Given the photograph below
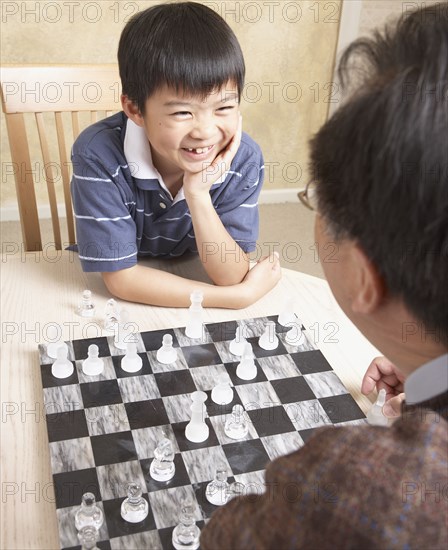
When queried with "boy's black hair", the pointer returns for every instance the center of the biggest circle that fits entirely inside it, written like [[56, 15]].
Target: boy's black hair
[[380, 162], [185, 45]]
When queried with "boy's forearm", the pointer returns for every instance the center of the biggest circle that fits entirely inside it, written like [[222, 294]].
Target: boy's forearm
[[223, 259], [150, 286]]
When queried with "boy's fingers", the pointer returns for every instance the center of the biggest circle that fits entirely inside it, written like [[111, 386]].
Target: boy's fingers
[[392, 408]]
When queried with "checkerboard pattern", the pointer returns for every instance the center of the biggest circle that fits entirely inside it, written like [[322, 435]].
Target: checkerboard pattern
[[103, 430]]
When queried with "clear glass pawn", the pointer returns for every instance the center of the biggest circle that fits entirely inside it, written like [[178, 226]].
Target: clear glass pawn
[[217, 491], [88, 536], [186, 534], [236, 426], [134, 508], [86, 308], [88, 513], [162, 467]]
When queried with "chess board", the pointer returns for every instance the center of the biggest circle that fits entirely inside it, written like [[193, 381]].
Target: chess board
[[103, 430]]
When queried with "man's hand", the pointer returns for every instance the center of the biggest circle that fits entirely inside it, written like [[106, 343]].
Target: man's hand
[[198, 183], [380, 374]]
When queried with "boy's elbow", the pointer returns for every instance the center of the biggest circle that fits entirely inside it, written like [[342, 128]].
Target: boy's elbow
[[117, 282]]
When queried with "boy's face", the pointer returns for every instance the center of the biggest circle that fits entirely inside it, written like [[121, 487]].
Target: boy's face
[[186, 132]]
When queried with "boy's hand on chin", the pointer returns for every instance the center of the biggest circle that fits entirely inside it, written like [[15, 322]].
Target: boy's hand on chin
[[197, 184]]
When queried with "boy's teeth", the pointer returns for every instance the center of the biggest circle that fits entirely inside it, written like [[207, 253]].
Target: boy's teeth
[[199, 151]]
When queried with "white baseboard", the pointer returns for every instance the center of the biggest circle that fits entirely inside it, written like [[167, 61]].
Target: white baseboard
[[267, 196]]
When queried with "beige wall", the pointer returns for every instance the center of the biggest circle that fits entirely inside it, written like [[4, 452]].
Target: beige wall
[[288, 46]]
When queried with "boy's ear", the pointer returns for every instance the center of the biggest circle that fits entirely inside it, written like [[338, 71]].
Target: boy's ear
[[131, 110], [370, 289]]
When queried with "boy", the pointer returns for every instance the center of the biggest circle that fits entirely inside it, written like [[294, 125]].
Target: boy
[[173, 172], [382, 171]]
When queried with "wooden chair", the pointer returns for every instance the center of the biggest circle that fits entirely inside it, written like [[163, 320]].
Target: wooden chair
[[53, 89]]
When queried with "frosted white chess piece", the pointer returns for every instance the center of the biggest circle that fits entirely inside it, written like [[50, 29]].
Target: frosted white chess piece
[[247, 370], [86, 307], [268, 340], [186, 534], [236, 426], [131, 362], [52, 333], [162, 467], [222, 393], [295, 335], [167, 353], [375, 416], [134, 508], [197, 430], [194, 328], [236, 346], [287, 315], [92, 365], [217, 491], [62, 367], [88, 513]]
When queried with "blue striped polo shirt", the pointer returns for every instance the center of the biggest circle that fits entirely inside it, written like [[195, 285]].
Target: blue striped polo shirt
[[123, 208]]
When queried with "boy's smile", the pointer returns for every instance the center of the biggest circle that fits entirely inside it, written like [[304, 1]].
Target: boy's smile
[[185, 132]]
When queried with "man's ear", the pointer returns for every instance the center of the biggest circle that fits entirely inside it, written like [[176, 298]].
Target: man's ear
[[370, 290], [131, 110]]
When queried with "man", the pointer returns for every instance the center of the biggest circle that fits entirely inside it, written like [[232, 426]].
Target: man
[[380, 166]]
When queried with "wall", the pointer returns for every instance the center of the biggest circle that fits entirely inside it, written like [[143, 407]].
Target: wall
[[288, 46]]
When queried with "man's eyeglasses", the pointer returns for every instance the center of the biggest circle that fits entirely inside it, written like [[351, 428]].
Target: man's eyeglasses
[[308, 196]]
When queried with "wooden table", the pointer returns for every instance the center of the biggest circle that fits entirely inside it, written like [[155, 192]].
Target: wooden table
[[38, 289]]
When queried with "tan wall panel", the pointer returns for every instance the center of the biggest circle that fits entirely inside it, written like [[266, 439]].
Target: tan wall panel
[[288, 47]]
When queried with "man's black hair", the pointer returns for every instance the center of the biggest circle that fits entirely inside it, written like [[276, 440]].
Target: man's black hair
[[186, 46], [380, 162]]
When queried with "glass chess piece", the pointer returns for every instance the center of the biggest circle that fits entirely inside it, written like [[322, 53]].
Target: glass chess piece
[[236, 426], [131, 362], [375, 416], [167, 353], [111, 315], [246, 369], [197, 430], [134, 508], [268, 340], [287, 316], [222, 393], [87, 536], [194, 328], [92, 365], [88, 513], [236, 346], [186, 534], [236, 489], [162, 467], [53, 334], [86, 308], [217, 491], [62, 367]]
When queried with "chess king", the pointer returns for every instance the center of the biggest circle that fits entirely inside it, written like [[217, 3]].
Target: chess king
[[380, 167]]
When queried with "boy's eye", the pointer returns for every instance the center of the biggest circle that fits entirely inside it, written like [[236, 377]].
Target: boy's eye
[[181, 113], [227, 108]]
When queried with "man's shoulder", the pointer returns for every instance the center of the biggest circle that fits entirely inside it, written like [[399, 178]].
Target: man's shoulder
[[102, 139]]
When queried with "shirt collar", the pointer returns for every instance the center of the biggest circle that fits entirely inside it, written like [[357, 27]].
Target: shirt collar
[[427, 381], [139, 158]]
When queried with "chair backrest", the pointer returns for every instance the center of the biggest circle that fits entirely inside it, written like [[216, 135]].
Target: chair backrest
[[52, 89]]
